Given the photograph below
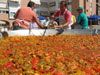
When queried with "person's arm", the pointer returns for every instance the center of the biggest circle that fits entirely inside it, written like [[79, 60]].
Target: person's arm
[[56, 14], [62, 26], [79, 19], [68, 17], [37, 21]]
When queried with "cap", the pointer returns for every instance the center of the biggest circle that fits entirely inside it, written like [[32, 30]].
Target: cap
[[80, 8], [36, 2]]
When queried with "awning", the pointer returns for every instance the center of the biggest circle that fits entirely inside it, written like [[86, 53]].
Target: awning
[[15, 0], [94, 17], [3, 9], [36, 2]]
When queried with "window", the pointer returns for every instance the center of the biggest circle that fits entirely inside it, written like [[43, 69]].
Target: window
[[3, 11], [3, 6], [14, 5], [44, 4], [3, 3], [52, 4]]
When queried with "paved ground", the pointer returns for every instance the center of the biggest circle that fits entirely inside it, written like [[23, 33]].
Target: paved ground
[[91, 27], [95, 26]]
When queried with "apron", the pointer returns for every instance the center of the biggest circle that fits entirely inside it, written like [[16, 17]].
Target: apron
[[63, 21], [26, 24], [33, 26]]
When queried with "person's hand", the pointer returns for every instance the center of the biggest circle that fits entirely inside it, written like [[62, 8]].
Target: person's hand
[[44, 27], [60, 26]]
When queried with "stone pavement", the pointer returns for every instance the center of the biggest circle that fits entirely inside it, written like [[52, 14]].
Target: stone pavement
[[95, 26]]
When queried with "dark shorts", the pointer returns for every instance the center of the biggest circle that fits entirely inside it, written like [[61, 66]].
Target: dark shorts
[[16, 27]]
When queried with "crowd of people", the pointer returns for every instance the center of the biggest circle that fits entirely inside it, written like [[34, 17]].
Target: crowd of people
[[26, 17]]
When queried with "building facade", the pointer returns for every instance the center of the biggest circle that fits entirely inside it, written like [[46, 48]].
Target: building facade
[[89, 6], [72, 5], [98, 7]]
